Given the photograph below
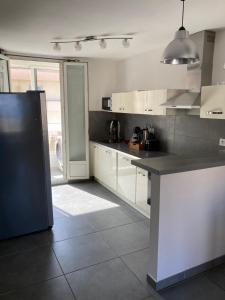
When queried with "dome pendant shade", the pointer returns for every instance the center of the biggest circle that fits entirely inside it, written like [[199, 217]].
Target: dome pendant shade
[[181, 50]]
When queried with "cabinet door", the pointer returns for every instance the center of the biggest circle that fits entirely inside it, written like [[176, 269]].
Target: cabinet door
[[129, 101], [142, 191], [139, 103], [109, 168], [126, 178], [154, 100], [117, 102], [213, 102]]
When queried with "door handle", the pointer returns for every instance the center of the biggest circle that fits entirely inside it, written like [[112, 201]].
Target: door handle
[[219, 112]]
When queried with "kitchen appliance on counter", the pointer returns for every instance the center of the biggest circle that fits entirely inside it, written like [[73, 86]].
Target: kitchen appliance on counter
[[25, 191], [114, 131], [151, 143], [136, 135], [107, 103], [144, 139]]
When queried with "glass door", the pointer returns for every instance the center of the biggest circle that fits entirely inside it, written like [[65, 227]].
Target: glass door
[[76, 104], [38, 75]]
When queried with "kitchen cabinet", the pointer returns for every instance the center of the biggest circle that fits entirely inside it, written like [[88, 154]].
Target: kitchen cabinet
[[213, 102], [108, 161], [95, 160], [123, 102], [140, 102], [142, 191], [114, 170], [104, 165], [126, 181]]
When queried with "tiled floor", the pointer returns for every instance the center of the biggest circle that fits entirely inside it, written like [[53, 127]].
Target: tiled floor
[[98, 249]]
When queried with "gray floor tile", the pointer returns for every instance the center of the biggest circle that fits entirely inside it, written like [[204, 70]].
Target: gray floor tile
[[83, 251], [106, 281], [138, 262], [54, 289], [28, 242], [111, 217], [28, 267], [217, 275], [199, 288], [65, 228], [128, 238]]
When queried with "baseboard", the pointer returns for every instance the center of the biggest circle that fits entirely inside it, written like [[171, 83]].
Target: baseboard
[[172, 280]]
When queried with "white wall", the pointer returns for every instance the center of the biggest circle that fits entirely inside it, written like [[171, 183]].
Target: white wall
[[102, 81], [145, 71], [219, 58]]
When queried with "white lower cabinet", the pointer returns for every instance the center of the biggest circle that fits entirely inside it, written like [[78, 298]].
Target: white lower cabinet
[[114, 170], [142, 191], [126, 181], [108, 160], [104, 165]]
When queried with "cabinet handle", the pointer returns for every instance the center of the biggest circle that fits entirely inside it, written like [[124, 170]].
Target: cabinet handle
[[214, 112], [143, 175], [149, 109]]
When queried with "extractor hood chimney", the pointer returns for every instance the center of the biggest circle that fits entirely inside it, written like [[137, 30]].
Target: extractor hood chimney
[[199, 75]]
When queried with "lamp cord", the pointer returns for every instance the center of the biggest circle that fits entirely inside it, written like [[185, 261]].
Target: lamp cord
[[182, 20]]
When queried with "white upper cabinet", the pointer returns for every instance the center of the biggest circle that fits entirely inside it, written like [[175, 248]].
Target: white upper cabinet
[[123, 102], [140, 102], [213, 102]]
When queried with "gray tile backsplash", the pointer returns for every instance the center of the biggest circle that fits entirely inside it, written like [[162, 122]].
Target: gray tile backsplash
[[178, 134]]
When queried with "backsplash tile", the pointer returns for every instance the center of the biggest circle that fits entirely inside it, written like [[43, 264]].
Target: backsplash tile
[[178, 134]]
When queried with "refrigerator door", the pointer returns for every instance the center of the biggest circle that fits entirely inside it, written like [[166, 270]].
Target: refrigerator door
[[25, 191]]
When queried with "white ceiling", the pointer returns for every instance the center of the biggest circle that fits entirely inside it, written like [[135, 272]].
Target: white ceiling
[[28, 26]]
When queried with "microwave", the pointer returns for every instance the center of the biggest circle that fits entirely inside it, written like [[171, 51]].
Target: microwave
[[107, 103]]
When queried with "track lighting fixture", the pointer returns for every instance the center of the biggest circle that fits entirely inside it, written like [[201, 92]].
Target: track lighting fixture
[[78, 46], [126, 43], [56, 46], [102, 41]]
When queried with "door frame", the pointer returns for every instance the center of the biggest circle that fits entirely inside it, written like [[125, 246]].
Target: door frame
[[62, 103], [85, 65]]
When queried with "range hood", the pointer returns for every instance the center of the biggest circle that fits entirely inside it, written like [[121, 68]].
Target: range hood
[[184, 99], [198, 75]]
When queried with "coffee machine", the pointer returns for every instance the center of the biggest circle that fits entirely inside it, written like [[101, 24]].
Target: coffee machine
[[114, 131]]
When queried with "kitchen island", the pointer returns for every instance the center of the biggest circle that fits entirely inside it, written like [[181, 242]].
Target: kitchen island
[[187, 225]]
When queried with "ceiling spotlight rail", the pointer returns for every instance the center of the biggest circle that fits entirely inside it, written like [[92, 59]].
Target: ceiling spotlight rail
[[102, 41]]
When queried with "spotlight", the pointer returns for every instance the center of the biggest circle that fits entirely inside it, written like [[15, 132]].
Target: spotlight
[[78, 46], [126, 43], [102, 43], [56, 47]]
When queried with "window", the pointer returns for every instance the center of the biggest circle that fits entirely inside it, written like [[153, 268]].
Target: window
[[37, 75]]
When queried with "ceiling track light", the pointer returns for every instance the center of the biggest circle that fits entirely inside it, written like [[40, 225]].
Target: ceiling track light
[[126, 43], [78, 46], [102, 41], [56, 46], [182, 50]]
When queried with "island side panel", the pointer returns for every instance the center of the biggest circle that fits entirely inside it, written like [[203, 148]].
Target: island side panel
[[191, 220], [154, 227]]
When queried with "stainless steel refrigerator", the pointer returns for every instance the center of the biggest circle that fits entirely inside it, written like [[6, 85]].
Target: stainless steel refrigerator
[[25, 183]]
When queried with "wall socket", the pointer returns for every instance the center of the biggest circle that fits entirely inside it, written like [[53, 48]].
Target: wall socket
[[222, 142]]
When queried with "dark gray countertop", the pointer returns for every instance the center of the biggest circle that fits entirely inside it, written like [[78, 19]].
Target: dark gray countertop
[[124, 148], [179, 163]]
